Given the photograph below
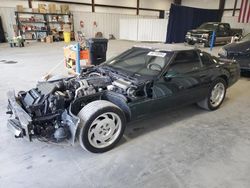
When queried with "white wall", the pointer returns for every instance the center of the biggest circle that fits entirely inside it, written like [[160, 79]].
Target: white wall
[[139, 29], [206, 4], [8, 20], [153, 4], [106, 23], [156, 4], [107, 18]]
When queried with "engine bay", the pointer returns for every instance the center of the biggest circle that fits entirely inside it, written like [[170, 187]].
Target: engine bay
[[47, 102]]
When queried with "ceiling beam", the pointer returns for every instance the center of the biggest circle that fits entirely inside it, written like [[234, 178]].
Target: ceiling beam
[[177, 2], [101, 5]]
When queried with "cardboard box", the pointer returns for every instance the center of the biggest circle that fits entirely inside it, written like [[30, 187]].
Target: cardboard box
[[52, 8], [43, 39], [49, 39], [42, 11], [64, 9], [42, 8], [19, 8], [35, 10], [66, 28]]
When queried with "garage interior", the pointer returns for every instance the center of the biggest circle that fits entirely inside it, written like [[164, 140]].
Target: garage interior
[[184, 147]]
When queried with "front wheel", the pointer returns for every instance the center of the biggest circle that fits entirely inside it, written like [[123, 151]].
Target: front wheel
[[216, 95], [102, 126]]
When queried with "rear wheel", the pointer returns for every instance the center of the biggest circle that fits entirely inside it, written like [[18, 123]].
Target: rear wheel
[[215, 95], [102, 126]]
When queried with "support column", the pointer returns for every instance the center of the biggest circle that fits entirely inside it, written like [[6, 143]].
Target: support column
[[30, 3], [235, 6], [137, 7], [93, 5], [221, 8]]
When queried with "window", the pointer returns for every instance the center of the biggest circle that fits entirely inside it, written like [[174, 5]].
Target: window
[[221, 27], [186, 61], [205, 59], [137, 61], [227, 27]]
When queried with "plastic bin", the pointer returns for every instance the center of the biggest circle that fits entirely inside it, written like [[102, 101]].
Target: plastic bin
[[97, 50], [66, 36]]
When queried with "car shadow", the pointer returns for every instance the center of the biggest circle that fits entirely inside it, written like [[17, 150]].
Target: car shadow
[[159, 120], [245, 75]]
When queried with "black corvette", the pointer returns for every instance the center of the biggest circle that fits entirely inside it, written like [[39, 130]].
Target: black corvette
[[95, 106], [239, 51]]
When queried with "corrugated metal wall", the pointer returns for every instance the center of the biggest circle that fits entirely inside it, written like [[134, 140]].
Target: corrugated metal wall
[[129, 29], [152, 30], [106, 23], [143, 29]]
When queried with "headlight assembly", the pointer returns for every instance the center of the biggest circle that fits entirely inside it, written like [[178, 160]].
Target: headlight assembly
[[205, 35]]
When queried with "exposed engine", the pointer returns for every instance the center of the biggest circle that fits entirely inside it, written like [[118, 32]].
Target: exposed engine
[[47, 102]]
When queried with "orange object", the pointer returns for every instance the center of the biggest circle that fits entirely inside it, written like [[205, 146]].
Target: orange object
[[70, 57]]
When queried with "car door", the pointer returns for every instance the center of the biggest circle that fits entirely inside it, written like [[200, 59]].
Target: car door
[[223, 33], [180, 84]]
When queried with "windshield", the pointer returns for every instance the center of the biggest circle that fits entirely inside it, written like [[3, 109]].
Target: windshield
[[140, 61], [246, 38], [208, 26]]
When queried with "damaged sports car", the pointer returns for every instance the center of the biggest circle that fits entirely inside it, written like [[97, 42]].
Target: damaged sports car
[[95, 106]]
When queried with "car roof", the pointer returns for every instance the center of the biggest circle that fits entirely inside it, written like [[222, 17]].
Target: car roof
[[165, 47]]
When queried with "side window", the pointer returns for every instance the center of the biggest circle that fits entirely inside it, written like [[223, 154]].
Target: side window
[[184, 62], [227, 27], [205, 59], [221, 27]]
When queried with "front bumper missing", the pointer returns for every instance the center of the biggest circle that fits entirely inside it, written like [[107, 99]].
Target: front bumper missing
[[19, 125], [15, 127]]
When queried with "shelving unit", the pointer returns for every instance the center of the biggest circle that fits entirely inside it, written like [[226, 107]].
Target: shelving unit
[[42, 22]]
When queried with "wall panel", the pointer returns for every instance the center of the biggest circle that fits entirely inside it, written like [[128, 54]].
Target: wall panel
[[152, 30], [107, 23], [140, 29], [8, 19]]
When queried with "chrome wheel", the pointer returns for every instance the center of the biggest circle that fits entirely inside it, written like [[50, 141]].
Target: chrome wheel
[[217, 94], [104, 130]]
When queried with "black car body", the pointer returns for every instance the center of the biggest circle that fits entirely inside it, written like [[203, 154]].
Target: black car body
[[240, 51], [134, 84], [203, 34]]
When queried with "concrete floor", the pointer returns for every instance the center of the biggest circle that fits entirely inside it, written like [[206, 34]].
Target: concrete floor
[[189, 147]]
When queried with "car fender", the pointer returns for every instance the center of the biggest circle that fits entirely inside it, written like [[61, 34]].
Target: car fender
[[119, 100]]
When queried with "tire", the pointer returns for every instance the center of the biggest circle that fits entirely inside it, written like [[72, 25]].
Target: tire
[[102, 125], [209, 103]]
